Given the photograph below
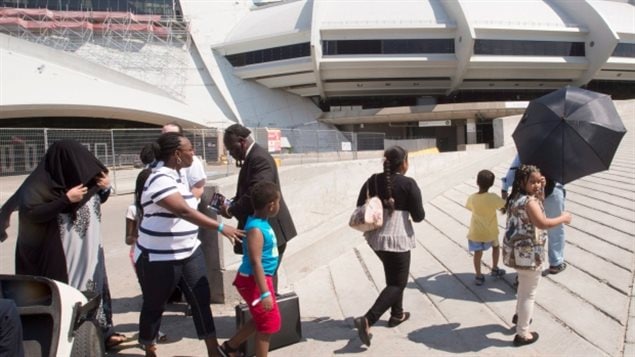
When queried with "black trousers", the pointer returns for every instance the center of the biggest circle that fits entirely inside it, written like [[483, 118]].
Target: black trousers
[[158, 279], [396, 270]]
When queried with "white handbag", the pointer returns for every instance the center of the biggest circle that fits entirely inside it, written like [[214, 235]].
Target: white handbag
[[370, 215]]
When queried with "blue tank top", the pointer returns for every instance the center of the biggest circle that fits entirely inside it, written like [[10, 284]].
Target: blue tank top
[[269, 248]]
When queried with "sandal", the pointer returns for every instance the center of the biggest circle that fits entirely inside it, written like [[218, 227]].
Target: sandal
[[151, 350], [520, 341], [498, 272], [555, 269], [114, 340], [361, 324], [479, 280], [395, 321], [225, 350]]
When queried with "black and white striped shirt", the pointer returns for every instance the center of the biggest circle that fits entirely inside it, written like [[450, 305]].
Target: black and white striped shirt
[[162, 234]]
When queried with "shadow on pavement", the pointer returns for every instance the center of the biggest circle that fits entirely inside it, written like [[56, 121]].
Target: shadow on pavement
[[330, 330], [445, 285], [450, 338]]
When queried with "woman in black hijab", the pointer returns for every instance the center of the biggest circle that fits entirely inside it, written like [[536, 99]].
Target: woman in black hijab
[[59, 224]]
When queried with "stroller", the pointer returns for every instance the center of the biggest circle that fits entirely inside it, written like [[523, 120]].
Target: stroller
[[57, 319]]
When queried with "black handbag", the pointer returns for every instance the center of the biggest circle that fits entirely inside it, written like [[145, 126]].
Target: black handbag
[[290, 332]]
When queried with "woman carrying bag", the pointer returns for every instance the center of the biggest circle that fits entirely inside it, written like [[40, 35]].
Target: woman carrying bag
[[392, 242]]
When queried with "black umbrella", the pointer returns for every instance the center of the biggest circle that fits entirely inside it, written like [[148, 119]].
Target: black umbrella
[[569, 133]]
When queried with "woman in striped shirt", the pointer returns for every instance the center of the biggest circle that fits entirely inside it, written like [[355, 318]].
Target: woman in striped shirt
[[167, 251]]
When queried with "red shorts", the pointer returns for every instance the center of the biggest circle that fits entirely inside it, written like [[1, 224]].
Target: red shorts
[[268, 322]]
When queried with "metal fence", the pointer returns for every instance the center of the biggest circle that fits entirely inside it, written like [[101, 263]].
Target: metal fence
[[22, 149]]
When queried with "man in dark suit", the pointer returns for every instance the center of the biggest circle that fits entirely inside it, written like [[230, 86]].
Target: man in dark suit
[[256, 165]]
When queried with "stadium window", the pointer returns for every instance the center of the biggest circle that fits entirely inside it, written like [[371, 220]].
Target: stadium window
[[329, 47], [528, 48], [624, 50], [357, 47], [237, 60], [397, 46], [269, 54], [375, 47]]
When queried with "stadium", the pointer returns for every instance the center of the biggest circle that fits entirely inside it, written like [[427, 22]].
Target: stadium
[[439, 69]]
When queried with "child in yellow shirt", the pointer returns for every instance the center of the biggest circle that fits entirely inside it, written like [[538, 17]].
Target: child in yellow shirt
[[483, 231]]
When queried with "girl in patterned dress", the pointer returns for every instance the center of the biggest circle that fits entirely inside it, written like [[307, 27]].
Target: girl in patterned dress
[[523, 245]]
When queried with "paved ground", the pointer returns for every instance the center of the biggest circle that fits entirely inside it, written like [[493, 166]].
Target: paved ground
[[582, 311], [589, 309]]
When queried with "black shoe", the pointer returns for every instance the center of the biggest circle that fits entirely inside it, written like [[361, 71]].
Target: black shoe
[[555, 269], [519, 341], [361, 324], [395, 321], [515, 319]]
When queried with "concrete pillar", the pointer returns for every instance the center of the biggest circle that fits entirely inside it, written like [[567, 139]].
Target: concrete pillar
[[460, 134], [212, 249], [503, 129], [470, 129]]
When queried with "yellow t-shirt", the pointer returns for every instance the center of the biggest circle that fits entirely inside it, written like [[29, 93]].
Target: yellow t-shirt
[[484, 223]]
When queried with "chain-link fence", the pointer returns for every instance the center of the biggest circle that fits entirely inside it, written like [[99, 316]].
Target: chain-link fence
[[22, 149]]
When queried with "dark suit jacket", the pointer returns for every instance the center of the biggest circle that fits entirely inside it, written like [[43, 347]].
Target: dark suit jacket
[[259, 166]]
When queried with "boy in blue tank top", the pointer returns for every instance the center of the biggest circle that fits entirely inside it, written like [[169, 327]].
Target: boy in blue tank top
[[254, 280]]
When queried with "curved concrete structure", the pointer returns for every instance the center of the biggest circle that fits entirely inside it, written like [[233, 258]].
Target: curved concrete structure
[[595, 28], [284, 63]]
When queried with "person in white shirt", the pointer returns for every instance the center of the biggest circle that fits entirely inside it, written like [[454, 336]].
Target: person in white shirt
[[195, 174]]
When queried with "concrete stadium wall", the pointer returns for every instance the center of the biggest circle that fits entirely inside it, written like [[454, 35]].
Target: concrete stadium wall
[[321, 196], [503, 130]]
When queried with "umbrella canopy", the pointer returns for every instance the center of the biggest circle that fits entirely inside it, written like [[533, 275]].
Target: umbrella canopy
[[569, 133]]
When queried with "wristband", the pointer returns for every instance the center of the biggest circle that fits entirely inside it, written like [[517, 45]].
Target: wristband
[[264, 295], [220, 227]]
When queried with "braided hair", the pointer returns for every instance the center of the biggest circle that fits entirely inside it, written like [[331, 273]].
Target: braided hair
[[394, 158], [520, 178], [166, 145], [138, 190]]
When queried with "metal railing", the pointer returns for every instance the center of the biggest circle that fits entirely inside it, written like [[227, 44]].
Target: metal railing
[[22, 149]]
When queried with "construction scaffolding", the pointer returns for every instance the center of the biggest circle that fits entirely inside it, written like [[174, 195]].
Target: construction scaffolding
[[152, 48]]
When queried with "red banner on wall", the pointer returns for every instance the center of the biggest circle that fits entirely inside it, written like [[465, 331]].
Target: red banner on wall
[[273, 140]]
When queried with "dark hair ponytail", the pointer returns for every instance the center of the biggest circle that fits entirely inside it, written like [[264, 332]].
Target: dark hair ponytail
[[138, 190], [394, 158], [147, 154]]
